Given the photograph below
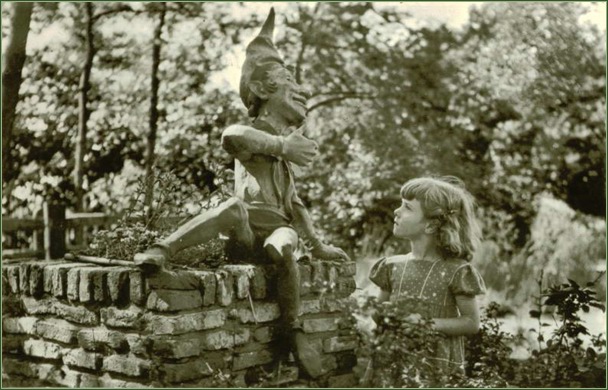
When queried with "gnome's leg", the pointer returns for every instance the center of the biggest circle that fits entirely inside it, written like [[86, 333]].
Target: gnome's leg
[[280, 246], [229, 218]]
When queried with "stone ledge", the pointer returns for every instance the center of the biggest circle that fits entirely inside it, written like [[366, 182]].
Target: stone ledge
[[88, 283], [340, 343], [83, 325]]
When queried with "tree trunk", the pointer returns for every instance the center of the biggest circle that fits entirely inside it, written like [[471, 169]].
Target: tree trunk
[[150, 156], [14, 58], [305, 40], [83, 112]]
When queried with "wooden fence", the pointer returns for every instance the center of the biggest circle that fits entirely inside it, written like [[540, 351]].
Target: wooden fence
[[54, 233]]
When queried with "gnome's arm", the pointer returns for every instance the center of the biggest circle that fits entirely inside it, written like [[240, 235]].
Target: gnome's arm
[[244, 141], [304, 224]]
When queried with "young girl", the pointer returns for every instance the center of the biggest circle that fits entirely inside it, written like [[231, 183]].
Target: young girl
[[437, 217]]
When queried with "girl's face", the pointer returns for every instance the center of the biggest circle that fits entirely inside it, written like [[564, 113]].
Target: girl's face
[[409, 220]]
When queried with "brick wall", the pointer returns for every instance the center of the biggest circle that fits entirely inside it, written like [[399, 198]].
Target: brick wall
[[81, 325]]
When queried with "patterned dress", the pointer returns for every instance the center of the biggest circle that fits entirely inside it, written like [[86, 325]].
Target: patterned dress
[[438, 282]]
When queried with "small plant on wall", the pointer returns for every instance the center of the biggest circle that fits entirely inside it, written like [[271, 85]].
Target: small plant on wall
[[142, 225]]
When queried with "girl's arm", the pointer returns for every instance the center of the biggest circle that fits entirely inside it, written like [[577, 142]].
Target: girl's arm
[[466, 324]]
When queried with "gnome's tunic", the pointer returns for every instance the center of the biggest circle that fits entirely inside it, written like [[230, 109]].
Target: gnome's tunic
[[265, 183]]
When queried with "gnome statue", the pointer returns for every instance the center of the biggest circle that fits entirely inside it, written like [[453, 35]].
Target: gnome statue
[[266, 213]]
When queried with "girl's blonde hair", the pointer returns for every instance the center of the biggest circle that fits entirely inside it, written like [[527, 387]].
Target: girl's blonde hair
[[446, 201]]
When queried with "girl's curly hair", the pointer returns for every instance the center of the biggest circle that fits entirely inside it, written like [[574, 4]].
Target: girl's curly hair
[[446, 201]]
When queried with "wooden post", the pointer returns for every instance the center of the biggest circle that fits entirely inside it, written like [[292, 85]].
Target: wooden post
[[38, 237], [54, 230]]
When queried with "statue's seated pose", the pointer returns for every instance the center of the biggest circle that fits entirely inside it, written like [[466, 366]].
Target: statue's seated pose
[[266, 210]]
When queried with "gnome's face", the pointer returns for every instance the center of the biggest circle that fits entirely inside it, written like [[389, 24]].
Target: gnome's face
[[285, 99]]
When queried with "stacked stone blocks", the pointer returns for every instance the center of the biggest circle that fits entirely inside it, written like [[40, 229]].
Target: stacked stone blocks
[[82, 325]]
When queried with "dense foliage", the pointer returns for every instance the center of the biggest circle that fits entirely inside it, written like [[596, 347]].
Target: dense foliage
[[397, 352]]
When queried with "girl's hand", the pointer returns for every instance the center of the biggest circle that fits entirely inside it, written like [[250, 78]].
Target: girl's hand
[[413, 318]]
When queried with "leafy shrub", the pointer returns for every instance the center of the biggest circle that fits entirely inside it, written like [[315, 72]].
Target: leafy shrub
[[564, 362], [142, 225], [398, 352], [487, 352], [122, 242], [399, 349], [268, 376]]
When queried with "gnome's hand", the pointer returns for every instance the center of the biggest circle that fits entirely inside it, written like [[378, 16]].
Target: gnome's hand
[[299, 149]]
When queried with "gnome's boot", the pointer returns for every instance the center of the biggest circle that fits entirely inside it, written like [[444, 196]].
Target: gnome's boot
[[291, 339], [153, 258], [306, 355]]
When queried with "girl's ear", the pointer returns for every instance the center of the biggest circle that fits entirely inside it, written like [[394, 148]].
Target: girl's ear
[[258, 88]]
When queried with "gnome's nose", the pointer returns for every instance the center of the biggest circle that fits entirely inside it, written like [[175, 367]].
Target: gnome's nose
[[305, 92]]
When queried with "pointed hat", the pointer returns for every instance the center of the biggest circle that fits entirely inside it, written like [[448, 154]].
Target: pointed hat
[[260, 50]]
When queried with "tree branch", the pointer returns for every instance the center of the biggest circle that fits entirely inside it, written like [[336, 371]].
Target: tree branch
[[336, 99], [122, 8], [336, 93]]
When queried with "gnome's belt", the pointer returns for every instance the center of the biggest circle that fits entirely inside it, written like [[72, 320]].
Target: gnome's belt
[[265, 219]]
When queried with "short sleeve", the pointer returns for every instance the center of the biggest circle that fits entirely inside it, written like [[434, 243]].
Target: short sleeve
[[467, 281], [380, 275]]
